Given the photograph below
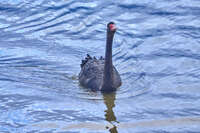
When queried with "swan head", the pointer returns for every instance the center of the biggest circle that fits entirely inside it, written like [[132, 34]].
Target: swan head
[[111, 27]]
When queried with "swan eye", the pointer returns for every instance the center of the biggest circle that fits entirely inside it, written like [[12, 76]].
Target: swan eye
[[112, 27]]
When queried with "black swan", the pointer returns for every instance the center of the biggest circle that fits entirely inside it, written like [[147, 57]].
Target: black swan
[[100, 74]]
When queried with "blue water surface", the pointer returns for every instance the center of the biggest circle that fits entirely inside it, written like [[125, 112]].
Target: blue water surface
[[156, 51]]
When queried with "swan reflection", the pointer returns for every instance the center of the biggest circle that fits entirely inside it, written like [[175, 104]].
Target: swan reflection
[[109, 100]]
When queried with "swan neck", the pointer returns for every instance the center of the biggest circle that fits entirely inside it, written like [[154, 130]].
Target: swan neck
[[108, 53], [108, 68]]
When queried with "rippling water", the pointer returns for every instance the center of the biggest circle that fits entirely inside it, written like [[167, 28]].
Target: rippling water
[[156, 50]]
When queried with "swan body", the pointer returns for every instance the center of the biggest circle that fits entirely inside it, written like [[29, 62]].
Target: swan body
[[100, 74]]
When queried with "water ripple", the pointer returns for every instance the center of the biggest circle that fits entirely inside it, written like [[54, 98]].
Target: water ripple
[[156, 51]]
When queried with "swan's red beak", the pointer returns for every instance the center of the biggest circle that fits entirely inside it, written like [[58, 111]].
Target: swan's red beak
[[112, 27]]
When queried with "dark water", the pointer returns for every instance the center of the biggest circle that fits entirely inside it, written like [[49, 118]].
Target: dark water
[[156, 50]]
